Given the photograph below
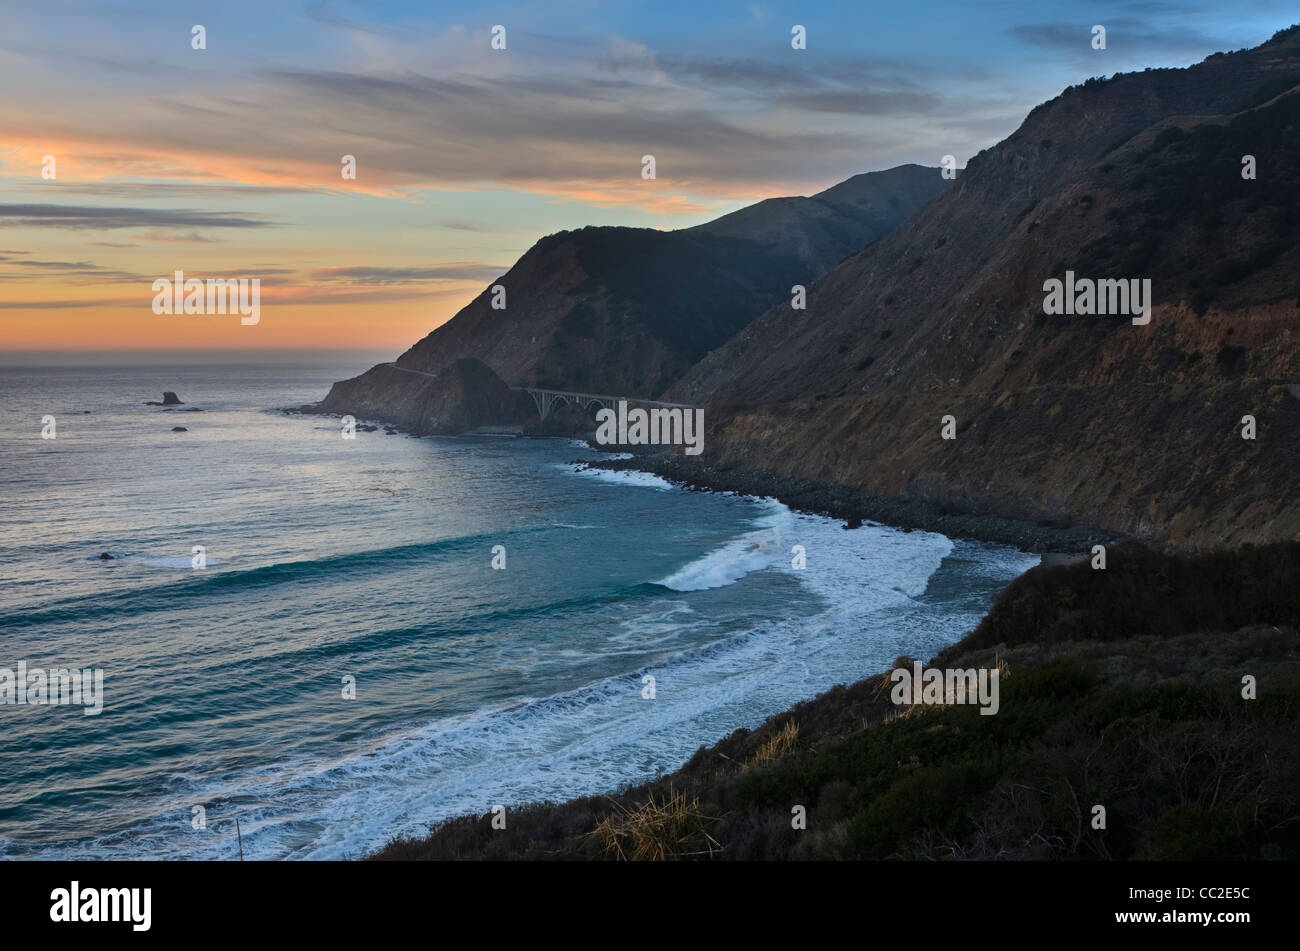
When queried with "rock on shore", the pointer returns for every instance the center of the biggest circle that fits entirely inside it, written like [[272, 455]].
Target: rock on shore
[[450, 400]]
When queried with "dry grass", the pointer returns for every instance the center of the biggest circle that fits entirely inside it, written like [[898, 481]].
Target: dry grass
[[780, 743], [671, 827]]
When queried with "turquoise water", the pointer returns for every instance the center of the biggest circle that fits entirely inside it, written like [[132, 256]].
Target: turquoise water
[[372, 560]]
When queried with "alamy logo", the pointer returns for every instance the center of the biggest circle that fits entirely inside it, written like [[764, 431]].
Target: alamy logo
[[1107, 297], [39, 687], [655, 427], [213, 297], [103, 904], [946, 686]]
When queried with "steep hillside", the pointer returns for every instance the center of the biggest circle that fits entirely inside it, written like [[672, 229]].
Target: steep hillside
[[627, 310], [1092, 420]]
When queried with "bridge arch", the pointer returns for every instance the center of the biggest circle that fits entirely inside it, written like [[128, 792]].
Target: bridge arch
[[546, 401]]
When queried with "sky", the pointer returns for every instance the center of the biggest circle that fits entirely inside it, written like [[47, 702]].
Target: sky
[[225, 162]]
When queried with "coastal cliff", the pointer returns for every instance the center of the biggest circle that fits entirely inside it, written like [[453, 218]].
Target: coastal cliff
[[1086, 420], [629, 310], [450, 399]]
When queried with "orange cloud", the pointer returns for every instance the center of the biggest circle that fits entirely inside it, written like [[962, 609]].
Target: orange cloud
[[99, 160]]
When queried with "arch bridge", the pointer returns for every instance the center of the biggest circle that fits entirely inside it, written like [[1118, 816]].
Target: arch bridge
[[547, 401]]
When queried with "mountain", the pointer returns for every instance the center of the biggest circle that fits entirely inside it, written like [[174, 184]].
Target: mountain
[[826, 228], [629, 310], [1092, 421]]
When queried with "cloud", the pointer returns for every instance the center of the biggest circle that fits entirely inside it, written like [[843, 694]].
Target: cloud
[[420, 102], [324, 14], [574, 137], [87, 273], [376, 275], [259, 271], [84, 217], [838, 86], [170, 191], [1129, 41], [69, 272], [66, 304], [735, 129], [307, 296], [282, 295]]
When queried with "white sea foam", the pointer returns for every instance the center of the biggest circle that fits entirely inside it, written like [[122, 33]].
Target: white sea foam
[[620, 477], [765, 547], [873, 562]]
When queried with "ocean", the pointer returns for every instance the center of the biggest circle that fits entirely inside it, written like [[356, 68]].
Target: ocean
[[348, 665]]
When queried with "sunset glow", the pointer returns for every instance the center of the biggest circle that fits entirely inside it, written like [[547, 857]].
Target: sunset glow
[[111, 177]]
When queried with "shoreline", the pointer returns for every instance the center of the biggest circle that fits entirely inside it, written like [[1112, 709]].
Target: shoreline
[[1054, 544], [1057, 543], [715, 784], [1053, 550]]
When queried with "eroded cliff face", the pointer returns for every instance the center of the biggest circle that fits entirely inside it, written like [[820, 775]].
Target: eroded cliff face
[[1090, 420]]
